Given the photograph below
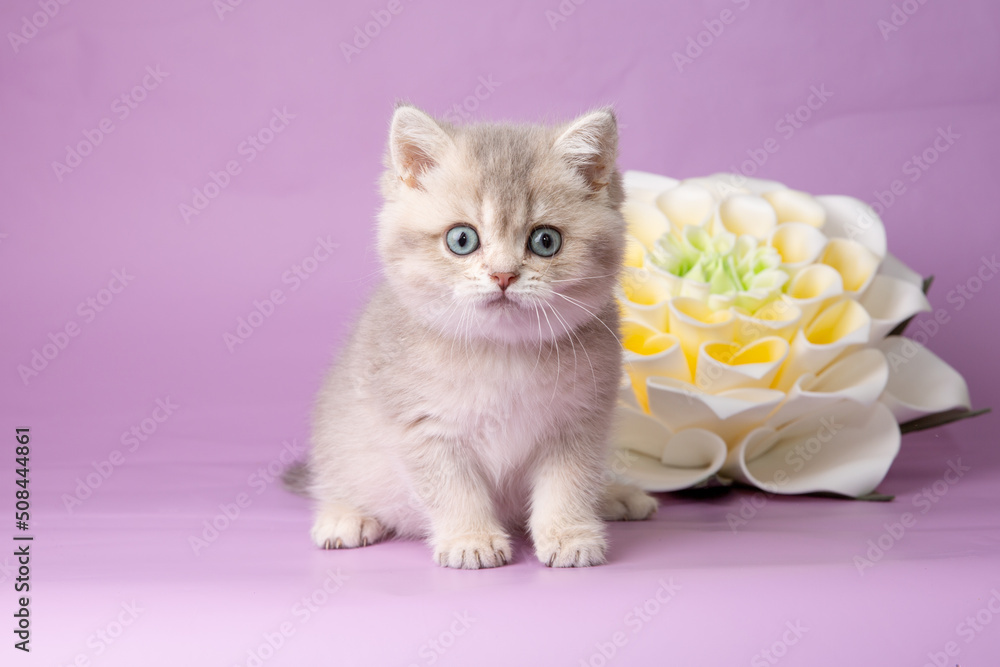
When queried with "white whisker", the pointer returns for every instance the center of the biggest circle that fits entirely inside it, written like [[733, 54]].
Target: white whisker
[[555, 344], [589, 312], [583, 347], [541, 341], [573, 280], [565, 327]]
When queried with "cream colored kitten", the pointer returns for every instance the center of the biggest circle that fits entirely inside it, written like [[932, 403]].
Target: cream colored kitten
[[476, 394]]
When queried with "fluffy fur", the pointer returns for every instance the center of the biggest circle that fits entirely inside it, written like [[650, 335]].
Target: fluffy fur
[[460, 410]]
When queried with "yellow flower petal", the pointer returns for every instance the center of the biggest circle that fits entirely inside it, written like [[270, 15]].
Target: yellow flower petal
[[694, 323], [855, 263], [725, 366], [778, 318], [796, 206], [650, 353], [644, 297], [799, 245], [635, 252], [839, 327], [813, 288]]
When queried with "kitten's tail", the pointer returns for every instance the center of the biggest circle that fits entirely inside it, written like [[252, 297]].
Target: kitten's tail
[[298, 478]]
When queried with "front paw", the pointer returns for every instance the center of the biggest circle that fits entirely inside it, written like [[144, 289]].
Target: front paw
[[472, 551], [575, 546], [340, 527]]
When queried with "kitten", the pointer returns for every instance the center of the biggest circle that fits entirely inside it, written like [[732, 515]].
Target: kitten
[[476, 393]]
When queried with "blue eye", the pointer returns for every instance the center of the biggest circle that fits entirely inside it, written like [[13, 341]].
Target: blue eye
[[462, 239], [545, 241]]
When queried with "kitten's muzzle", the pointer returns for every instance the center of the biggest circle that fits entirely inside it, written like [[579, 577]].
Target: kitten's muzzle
[[504, 280]]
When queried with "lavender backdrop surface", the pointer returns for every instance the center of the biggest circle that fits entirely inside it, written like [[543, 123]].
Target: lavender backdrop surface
[[171, 168]]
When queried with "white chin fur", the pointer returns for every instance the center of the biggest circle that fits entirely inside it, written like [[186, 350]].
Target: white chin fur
[[513, 320]]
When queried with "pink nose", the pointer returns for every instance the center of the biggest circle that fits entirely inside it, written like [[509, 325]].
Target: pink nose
[[504, 279]]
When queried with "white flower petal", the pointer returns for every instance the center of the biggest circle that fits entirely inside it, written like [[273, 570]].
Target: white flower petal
[[649, 456], [890, 301], [638, 432], [749, 215], [729, 183], [893, 267], [645, 296], [814, 288], [680, 405], [645, 222], [850, 218], [626, 392], [859, 377], [720, 185], [796, 206], [687, 204], [643, 186], [695, 448], [720, 301], [839, 327], [847, 451], [799, 245], [920, 382]]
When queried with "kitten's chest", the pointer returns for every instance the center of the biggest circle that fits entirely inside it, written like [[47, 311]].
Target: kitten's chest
[[507, 401]]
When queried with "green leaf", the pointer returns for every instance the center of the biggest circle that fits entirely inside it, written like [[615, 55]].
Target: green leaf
[[876, 497], [713, 487], [873, 497], [940, 419], [716, 487]]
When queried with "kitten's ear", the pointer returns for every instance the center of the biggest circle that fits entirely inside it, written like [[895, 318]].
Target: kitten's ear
[[590, 145], [416, 144]]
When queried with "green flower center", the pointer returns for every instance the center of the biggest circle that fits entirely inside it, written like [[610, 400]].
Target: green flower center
[[730, 265]]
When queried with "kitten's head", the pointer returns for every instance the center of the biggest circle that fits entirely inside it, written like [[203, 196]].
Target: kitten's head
[[508, 232]]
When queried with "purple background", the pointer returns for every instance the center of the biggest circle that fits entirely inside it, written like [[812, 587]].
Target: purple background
[[63, 235]]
